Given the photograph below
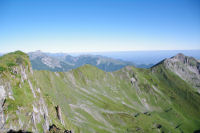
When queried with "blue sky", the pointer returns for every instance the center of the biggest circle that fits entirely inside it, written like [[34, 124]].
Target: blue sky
[[99, 25]]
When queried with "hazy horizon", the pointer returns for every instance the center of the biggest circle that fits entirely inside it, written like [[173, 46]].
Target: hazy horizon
[[136, 57], [96, 52]]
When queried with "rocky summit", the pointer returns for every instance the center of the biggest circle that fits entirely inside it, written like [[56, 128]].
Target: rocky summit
[[188, 68], [164, 98]]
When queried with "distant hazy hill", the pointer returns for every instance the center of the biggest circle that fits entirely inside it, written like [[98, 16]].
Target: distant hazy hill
[[65, 62], [147, 58]]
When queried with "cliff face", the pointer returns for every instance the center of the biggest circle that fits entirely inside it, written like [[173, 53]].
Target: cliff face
[[186, 67], [22, 104]]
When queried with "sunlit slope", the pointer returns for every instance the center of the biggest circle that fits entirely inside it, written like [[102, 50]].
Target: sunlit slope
[[161, 99], [128, 100], [22, 104]]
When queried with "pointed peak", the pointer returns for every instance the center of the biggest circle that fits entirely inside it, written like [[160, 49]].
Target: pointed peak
[[183, 58], [179, 56]]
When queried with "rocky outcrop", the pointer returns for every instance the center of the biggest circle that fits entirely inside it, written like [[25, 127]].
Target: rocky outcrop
[[54, 129], [185, 67], [59, 114], [2, 100], [158, 126], [23, 106]]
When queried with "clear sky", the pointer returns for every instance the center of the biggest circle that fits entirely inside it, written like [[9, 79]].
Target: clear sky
[[99, 25]]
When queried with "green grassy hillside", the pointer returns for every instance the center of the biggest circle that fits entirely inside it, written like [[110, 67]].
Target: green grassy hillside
[[22, 105], [94, 101], [98, 101]]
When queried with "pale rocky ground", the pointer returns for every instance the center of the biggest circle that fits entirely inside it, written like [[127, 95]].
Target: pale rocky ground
[[188, 68]]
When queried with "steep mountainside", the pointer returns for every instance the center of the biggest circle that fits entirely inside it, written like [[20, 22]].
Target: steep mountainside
[[188, 68], [64, 62], [88, 99], [22, 105]]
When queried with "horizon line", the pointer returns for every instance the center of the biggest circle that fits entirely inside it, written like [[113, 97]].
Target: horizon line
[[101, 51]]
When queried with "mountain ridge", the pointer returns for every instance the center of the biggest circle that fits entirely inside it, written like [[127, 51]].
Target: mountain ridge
[[45, 61], [92, 100], [184, 66]]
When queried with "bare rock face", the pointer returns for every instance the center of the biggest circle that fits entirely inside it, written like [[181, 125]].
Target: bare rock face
[[2, 100], [23, 107], [185, 67], [26, 118], [59, 114]]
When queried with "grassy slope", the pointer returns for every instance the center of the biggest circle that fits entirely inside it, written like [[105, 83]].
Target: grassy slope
[[19, 108], [23, 96], [98, 101], [13, 59]]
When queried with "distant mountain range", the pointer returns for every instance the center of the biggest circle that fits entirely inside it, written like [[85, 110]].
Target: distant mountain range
[[65, 62], [107, 61], [112, 60]]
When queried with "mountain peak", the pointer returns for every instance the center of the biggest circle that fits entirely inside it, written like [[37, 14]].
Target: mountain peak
[[186, 67], [13, 59], [179, 56], [187, 60]]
